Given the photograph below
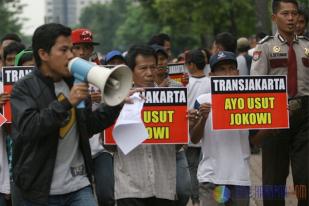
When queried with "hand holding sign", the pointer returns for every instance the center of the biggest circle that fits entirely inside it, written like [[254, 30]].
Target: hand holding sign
[[10, 75], [4, 97], [204, 110]]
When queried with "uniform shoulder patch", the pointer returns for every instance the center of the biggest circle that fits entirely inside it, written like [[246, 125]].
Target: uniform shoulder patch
[[256, 55], [265, 39], [303, 38]]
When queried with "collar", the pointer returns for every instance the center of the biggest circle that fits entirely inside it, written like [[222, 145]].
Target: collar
[[283, 40]]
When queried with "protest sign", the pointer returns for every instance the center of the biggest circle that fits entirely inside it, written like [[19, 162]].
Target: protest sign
[[164, 115], [10, 75], [176, 72], [249, 102]]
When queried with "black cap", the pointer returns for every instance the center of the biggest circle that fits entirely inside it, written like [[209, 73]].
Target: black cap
[[220, 57]]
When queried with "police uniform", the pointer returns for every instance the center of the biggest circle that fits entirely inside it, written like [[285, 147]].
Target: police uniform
[[271, 58]]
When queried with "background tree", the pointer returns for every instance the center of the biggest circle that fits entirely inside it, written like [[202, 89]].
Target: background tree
[[191, 24], [9, 20], [104, 20], [262, 12]]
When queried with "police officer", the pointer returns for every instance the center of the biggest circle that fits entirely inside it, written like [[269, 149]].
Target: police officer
[[285, 54]]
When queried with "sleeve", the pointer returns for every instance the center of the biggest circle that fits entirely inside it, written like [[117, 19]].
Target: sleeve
[[260, 63], [32, 123], [103, 117]]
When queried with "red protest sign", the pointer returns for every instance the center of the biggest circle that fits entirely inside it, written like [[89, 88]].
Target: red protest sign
[[176, 72], [249, 102], [10, 75], [164, 115], [2, 119]]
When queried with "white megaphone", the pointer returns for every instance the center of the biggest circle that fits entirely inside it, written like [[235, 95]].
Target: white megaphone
[[114, 83]]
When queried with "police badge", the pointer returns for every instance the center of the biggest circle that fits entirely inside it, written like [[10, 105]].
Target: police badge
[[276, 49]]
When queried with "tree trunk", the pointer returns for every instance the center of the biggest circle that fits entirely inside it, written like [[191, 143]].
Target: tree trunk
[[262, 16]]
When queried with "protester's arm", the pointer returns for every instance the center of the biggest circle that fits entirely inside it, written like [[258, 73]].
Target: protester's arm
[[104, 116], [197, 131], [4, 97]]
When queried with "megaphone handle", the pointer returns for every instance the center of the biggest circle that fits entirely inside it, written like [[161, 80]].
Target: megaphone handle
[[81, 105]]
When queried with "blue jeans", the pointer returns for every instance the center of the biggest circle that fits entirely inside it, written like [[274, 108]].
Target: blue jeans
[[193, 155], [104, 179], [82, 197], [183, 181]]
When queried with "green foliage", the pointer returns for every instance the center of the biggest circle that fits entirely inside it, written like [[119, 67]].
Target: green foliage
[[121, 23], [9, 22], [138, 27], [104, 21]]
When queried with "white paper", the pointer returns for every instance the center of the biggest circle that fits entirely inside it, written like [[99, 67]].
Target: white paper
[[129, 130]]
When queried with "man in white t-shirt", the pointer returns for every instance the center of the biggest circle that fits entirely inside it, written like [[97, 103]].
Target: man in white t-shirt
[[195, 63], [223, 172]]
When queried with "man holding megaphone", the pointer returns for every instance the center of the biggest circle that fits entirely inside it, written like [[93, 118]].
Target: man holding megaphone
[[51, 157]]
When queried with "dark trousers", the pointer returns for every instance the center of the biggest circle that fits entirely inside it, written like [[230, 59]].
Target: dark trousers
[[104, 179], [194, 157], [278, 151], [152, 201]]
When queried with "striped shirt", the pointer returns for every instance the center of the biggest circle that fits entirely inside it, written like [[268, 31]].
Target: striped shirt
[[147, 171]]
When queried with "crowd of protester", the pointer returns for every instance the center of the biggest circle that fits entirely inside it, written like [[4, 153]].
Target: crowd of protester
[[53, 154]]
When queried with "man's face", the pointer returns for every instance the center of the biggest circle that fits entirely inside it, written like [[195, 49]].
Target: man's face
[[215, 48], [56, 61], [162, 65], [189, 67], [301, 25], [168, 48], [286, 18], [225, 69], [83, 50], [4, 44], [116, 61], [10, 59], [143, 71]]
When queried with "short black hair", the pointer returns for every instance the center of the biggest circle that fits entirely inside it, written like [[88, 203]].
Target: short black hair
[[11, 36], [13, 47], [45, 36], [135, 50], [196, 57], [276, 4], [302, 12], [227, 40], [159, 39]]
